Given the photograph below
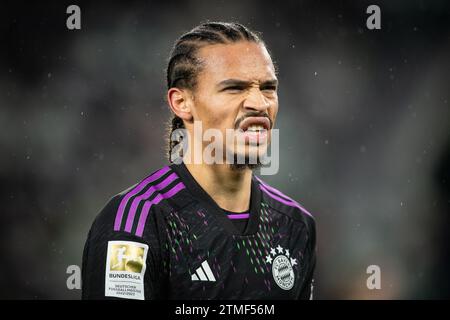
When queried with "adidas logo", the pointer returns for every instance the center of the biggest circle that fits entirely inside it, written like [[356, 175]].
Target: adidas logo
[[203, 273]]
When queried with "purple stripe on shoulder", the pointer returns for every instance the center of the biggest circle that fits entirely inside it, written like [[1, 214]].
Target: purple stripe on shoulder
[[147, 205], [273, 190], [144, 196], [133, 192], [290, 203]]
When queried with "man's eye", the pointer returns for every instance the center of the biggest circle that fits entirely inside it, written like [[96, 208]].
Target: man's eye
[[269, 88], [234, 88]]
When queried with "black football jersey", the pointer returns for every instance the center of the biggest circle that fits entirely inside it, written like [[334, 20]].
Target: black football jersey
[[166, 238]]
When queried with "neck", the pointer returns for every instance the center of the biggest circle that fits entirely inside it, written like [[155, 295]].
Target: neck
[[229, 188]]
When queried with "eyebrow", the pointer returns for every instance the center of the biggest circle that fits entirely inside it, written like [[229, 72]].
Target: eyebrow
[[243, 83]]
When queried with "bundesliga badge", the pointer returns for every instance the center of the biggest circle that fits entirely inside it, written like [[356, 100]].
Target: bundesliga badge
[[125, 269]]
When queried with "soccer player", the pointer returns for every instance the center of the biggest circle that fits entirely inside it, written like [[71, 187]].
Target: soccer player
[[201, 230]]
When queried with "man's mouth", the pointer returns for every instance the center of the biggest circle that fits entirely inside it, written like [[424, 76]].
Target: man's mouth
[[254, 129], [255, 124]]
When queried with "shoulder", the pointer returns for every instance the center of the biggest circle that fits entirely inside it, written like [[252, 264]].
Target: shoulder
[[132, 209], [284, 204]]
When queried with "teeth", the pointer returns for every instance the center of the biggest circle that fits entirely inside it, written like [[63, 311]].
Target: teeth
[[255, 128]]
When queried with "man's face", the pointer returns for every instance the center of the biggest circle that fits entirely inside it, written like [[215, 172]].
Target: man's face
[[237, 89]]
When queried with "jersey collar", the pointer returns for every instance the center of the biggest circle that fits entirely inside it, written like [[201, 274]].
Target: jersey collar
[[201, 195]]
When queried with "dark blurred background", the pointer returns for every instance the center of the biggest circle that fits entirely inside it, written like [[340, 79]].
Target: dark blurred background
[[364, 127]]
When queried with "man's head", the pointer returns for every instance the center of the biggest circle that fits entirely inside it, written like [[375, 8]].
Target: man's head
[[222, 75]]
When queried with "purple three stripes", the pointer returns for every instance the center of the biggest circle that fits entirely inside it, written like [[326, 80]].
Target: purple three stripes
[[145, 196], [135, 191], [277, 195], [148, 204]]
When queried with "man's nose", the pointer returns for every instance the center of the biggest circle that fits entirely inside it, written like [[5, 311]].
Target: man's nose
[[256, 101]]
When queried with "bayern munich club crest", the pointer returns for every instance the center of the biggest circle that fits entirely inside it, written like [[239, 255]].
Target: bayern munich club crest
[[282, 267]]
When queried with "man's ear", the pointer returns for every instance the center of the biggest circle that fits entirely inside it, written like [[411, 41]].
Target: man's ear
[[179, 102]]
